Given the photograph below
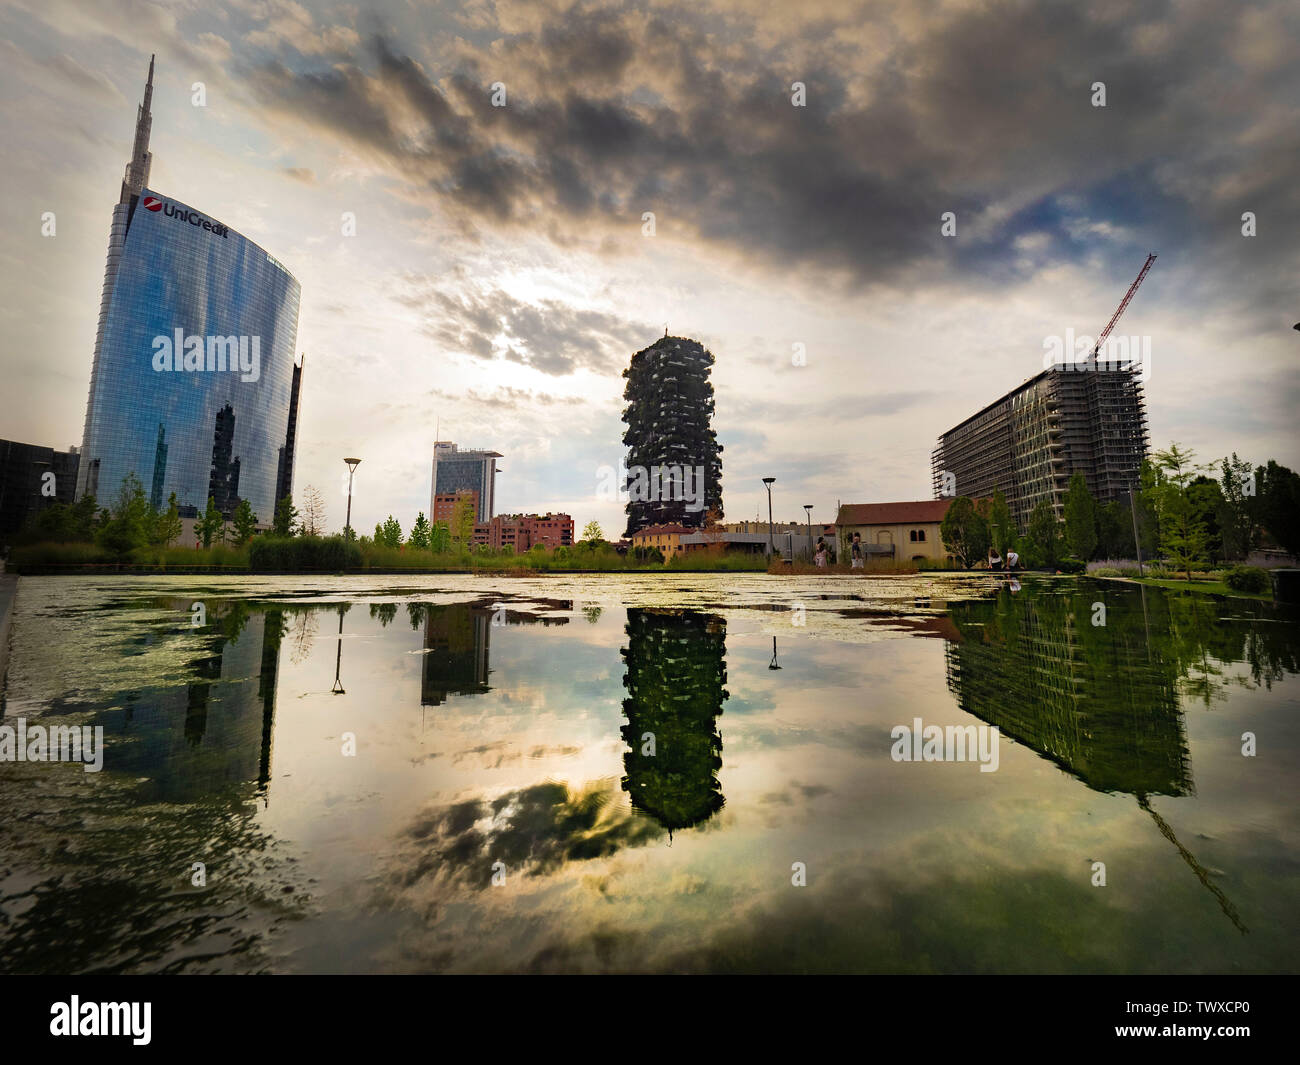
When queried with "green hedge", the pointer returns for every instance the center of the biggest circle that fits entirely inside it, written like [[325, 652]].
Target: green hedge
[[274, 554]]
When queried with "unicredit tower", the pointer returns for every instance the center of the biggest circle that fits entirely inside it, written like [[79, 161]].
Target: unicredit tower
[[194, 387]]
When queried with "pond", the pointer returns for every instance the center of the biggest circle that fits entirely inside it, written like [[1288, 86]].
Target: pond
[[676, 773]]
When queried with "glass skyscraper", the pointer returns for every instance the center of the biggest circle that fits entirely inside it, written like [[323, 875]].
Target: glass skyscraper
[[194, 387]]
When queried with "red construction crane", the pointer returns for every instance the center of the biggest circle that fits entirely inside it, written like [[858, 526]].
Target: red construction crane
[[1120, 310]]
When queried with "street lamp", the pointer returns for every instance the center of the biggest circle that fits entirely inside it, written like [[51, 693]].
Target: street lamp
[[808, 510], [771, 545], [352, 468]]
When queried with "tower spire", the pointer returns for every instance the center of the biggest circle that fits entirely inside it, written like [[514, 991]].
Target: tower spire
[[137, 170]]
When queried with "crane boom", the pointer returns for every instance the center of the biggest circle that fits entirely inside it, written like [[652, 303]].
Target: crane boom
[[1120, 309]]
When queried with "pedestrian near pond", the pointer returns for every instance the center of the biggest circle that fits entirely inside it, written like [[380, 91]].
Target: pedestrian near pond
[[855, 551]]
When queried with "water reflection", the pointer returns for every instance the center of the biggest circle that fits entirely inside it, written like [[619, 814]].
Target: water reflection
[[1091, 679], [182, 742], [676, 670], [546, 772]]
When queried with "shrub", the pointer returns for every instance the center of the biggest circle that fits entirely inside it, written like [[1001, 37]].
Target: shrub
[[1105, 571], [1247, 579], [1072, 565], [275, 554]]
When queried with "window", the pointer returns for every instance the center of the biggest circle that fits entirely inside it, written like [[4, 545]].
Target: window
[[917, 536]]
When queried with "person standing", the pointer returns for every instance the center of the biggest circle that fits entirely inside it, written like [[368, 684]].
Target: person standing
[[855, 551]]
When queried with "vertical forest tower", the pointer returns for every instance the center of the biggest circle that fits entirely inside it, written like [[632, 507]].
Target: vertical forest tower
[[668, 416]]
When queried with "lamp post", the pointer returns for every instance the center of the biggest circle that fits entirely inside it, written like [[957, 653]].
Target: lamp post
[[771, 543], [808, 510], [352, 469]]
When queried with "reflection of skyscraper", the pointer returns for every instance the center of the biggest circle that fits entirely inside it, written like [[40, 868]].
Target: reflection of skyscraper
[[159, 468], [214, 731], [456, 652], [1095, 699], [676, 670], [284, 469], [223, 477], [177, 277]]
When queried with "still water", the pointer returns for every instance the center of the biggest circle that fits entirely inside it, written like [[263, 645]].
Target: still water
[[502, 810]]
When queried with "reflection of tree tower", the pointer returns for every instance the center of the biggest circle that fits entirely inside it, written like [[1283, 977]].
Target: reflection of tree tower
[[456, 652], [675, 676]]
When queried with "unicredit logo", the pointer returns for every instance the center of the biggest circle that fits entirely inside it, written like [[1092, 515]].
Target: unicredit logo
[[171, 210]]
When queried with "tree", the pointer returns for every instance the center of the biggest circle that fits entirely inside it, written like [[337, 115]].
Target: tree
[[1237, 486], [81, 523], [439, 538], [212, 525], [389, 534], [1183, 537], [462, 521], [286, 514], [130, 521], [592, 532], [419, 537], [965, 531], [1080, 519], [313, 512], [245, 523], [1002, 528], [168, 526], [1277, 505], [1206, 498], [1044, 535], [1114, 530]]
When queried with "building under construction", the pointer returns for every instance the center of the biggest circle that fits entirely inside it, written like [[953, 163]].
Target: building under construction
[[1087, 417]]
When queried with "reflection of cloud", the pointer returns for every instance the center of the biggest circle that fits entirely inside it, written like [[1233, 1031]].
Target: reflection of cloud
[[534, 831]]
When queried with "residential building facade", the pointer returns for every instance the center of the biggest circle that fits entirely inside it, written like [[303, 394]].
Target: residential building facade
[[1029, 443]]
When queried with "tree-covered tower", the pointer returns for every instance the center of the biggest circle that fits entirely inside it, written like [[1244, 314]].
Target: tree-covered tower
[[668, 417]]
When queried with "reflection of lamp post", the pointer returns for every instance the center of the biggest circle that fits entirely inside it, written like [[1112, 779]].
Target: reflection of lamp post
[[771, 546], [347, 528], [808, 510], [338, 658], [772, 664]]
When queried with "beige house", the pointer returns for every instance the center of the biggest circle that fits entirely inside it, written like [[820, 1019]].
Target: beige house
[[898, 531], [668, 538]]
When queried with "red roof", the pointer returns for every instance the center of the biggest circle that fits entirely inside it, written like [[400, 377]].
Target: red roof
[[916, 513]]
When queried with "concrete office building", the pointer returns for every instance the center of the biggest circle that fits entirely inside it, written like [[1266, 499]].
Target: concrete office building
[[456, 471]]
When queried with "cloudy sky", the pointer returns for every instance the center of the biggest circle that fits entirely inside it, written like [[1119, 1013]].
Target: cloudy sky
[[500, 276]]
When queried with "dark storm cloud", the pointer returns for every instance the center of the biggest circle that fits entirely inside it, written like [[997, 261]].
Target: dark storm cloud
[[549, 336], [985, 113]]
